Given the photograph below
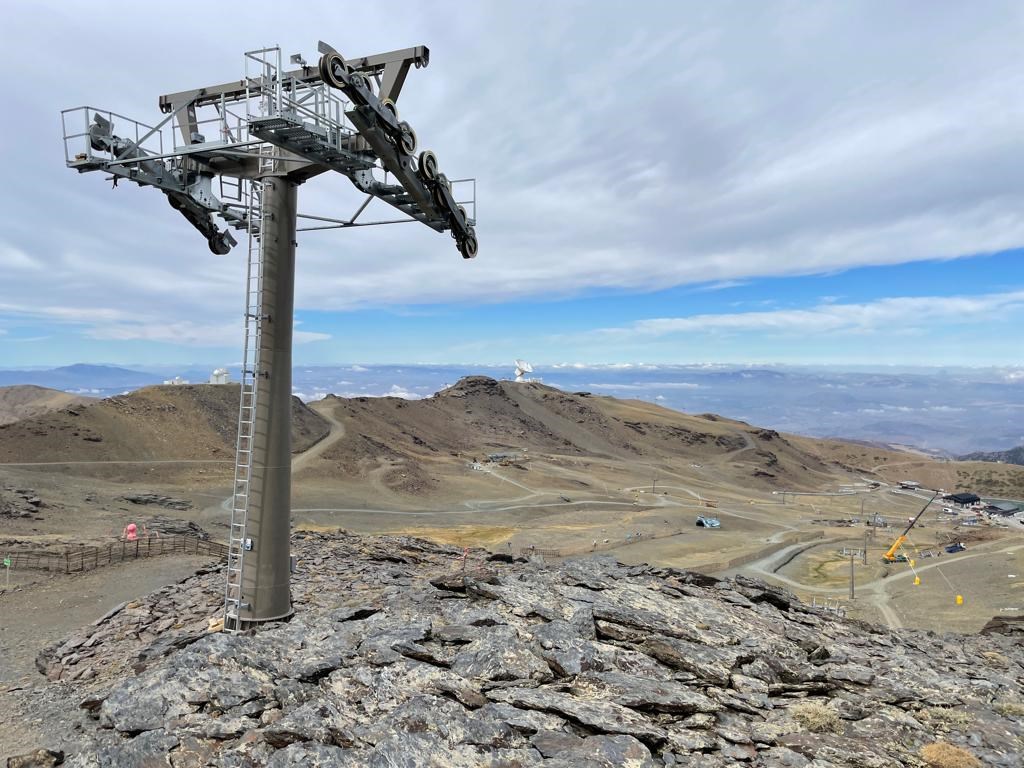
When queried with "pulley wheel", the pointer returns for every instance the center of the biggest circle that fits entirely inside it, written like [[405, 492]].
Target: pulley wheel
[[439, 196], [389, 105], [462, 213], [440, 200], [331, 65], [357, 81], [428, 165], [408, 138], [219, 245], [468, 246]]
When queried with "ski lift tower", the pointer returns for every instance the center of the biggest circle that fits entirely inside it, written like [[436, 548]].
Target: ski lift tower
[[236, 153]]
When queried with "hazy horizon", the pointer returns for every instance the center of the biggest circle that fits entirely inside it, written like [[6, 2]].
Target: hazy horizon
[[950, 410]]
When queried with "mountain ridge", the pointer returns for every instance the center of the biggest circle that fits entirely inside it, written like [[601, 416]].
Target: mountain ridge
[[1010, 456], [25, 401]]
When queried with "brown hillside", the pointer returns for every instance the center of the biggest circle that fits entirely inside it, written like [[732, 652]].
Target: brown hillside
[[984, 478], [26, 401], [195, 422], [415, 442]]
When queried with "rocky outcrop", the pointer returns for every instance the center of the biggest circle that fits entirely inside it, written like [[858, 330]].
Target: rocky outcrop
[[400, 655], [167, 502], [19, 502]]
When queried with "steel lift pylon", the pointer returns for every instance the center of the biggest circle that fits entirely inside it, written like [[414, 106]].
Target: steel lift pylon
[[272, 131]]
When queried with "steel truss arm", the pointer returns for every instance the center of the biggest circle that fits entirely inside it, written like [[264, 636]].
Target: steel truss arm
[[394, 142], [189, 191], [393, 66]]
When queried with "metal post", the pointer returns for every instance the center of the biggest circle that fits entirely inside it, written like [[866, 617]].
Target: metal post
[[864, 552], [266, 580], [851, 576]]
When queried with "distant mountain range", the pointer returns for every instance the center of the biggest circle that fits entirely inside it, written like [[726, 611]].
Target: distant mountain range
[[82, 378], [944, 412], [1012, 456], [417, 451]]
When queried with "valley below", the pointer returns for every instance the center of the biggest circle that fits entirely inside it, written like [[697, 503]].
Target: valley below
[[496, 468]]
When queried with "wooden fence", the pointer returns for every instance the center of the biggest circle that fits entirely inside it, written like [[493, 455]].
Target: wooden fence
[[86, 558], [528, 551]]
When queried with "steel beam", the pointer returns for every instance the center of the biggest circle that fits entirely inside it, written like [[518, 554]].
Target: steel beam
[[266, 578], [390, 63]]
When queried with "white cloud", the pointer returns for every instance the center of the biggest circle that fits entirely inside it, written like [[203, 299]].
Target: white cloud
[[647, 385], [180, 332], [399, 391], [18, 260], [695, 148], [720, 285], [305, 337], [396, 390], [889, 314], [309, 398], [885, 408]]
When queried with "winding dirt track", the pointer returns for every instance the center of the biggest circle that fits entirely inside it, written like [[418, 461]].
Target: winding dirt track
[[337, 432]]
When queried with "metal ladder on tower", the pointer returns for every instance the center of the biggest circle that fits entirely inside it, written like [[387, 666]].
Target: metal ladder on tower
[[233, 597]]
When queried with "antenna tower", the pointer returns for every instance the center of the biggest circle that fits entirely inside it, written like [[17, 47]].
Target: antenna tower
[[522, 368], [235, 153]]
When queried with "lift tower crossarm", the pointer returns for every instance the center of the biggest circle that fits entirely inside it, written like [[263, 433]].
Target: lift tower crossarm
[[392, 66]]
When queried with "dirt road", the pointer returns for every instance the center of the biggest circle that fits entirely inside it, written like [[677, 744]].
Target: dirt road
[[49, 611], [44, 612], [337, 433]]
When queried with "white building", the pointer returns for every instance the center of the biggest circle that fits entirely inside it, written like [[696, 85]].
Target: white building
[[220, 376], [176, 381]]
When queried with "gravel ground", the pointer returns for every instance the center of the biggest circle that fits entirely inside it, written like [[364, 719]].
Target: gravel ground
[[42, 613]]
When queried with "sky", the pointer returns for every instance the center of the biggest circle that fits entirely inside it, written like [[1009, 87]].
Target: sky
[[802, 183]]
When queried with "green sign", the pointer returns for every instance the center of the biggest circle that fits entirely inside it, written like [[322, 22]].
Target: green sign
[[7, 562]]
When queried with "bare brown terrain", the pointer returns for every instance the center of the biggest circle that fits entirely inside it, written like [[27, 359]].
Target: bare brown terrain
[[579, 473], [415, 448], [189, 423], [985, 478], [26, 401]]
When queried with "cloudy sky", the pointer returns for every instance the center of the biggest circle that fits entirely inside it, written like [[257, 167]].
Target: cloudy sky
[[660, 182]]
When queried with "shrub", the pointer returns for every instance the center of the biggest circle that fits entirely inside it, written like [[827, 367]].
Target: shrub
[[950, 718], [943, 755], [816, 716], [1009, 708]]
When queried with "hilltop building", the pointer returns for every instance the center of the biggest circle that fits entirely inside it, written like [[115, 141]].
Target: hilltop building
[[176, 381], [963, 499], [220, 376], [1002, 508]]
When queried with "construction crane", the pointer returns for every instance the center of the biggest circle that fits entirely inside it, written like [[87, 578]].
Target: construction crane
[[891, 556]]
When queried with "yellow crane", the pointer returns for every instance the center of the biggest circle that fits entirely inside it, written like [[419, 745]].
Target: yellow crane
[[891, 556]]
